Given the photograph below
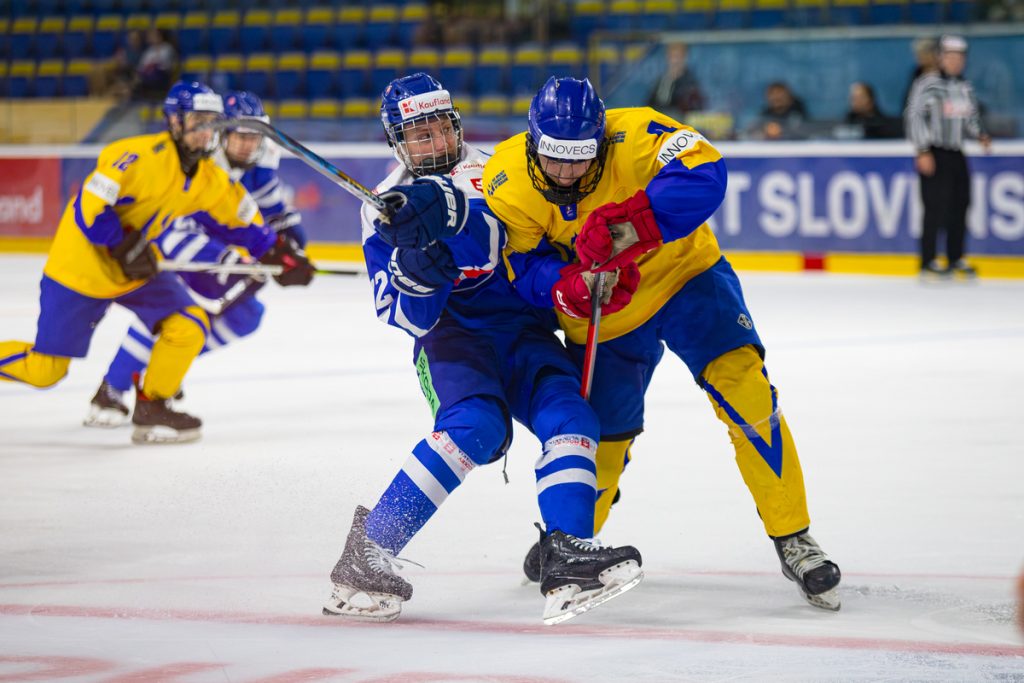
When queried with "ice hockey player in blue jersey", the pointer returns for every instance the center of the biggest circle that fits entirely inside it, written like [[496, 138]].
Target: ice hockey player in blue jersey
[[230, 300], [484, 357]]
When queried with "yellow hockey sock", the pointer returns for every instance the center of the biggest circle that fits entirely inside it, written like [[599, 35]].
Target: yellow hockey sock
[[181, 338], [612, 457]]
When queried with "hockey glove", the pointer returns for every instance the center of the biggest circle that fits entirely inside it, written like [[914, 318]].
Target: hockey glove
[[135, 257], [289, 222], [418, 272], [297, 268], [572, 293], [616, 234], [428, 210]]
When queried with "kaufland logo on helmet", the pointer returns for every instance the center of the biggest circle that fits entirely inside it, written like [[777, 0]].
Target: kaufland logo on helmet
[[567, 149], [418, 105]]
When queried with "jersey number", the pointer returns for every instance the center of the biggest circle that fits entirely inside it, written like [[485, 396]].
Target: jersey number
[[124, 161], [381, 298]]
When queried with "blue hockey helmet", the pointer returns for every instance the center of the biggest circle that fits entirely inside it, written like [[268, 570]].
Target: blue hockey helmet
[[421, 124], [244, 150], [185, 96], [566, 128]]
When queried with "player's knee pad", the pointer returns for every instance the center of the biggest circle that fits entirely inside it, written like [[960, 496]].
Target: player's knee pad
[[185, 329], [558, 408], [20, 363], [738, 385], [478, 425], [241, 319]]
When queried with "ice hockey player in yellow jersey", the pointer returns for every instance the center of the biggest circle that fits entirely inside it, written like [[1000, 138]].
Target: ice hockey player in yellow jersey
[[585, 190], [101, 255]]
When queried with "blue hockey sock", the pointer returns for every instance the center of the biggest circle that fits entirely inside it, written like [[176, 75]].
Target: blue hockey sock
[[567, 484], [131, 359]]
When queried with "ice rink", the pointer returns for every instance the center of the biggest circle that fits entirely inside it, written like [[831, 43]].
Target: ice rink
[[209, 562]]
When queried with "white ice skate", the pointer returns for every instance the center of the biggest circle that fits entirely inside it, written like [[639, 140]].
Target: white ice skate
[[107, 409], [817, 577], [359, 605], [568, 601]]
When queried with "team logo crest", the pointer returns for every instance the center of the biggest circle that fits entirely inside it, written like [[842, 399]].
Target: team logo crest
[[745, 322]]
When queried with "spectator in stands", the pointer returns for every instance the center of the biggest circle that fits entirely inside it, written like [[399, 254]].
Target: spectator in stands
[[864, 112], [157, 66], [783, 116], [678, 91], [926, 58], [116, 78]]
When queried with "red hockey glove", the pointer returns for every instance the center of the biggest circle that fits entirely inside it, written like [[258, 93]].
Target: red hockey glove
[[572, 293], [616, 234], [287, 253]]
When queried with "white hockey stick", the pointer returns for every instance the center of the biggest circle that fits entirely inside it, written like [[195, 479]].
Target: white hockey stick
[[221, 268]]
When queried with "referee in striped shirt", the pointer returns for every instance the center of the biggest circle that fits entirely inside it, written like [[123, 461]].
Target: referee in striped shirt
[[942, 109]]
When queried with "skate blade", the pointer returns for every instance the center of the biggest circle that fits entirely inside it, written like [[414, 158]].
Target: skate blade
[[568, 602], [105, 418], [829, 600], [356, 605], [158, 435]]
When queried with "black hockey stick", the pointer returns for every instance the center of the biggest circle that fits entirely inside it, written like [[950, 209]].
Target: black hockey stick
[[311, 159]]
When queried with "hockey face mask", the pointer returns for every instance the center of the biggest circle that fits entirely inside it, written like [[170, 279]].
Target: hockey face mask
[[243, 147], [193, 139], [565, 171], [429, 145]]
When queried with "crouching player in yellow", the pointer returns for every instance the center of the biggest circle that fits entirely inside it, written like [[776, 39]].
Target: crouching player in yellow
[[101, 255], [635, 185]]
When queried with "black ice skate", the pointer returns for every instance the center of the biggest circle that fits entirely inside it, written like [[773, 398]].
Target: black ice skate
[[157, 422], [964, 270], [816, 576], [106, 409], [579, 574], [933, 272], [531, 564], [366, 587]]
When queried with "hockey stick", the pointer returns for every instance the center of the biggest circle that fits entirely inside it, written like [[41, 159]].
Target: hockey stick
[[255, 269], [311, 159], [590, 352]]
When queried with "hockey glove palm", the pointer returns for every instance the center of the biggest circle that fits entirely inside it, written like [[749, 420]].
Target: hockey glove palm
[[418, 272], [135, 257], [297, 268], [618, 233], [572, 293], [428, 210]]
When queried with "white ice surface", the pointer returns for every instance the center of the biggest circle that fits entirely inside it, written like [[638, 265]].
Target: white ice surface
[[209, 562]]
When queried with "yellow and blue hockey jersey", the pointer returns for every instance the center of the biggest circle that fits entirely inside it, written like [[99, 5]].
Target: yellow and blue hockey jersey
[[138, 184], [684, 177]]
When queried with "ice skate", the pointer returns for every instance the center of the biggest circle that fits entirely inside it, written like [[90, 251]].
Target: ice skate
[[531, 564], [963, 270], [157, 422], [366, 587], [579, 574], [933, 272], [107, 409], [804, 562]]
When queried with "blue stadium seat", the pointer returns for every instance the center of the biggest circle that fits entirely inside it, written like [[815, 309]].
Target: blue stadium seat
[[492, 64], [848, 12], [348, 32], [608, 57], [106, 35], [48, 78], [769, 13], [320, 77], [888, 11], [624, 15], [22, 36], [656, 15], [76, 77], [316, 28], [228, 70], [48, 39], [961, 11], [289, 76], [388, 64], [456, 69], [257, 76], [927, 11], [733, 14], [809, 12], [587, 16], [525, 74], [197, 68], [566, 59], [20, 75], [192, 37], [354, 77], [253, 36], [694, 15], [77, 36], [284, 30], [380, 26], [409, 19], [427, 60], [224, 32]]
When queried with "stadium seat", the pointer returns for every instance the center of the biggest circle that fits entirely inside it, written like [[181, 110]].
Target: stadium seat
[[48, 78], [809, 13], [359, 108], [228, 70], [325, 109], [463, 101], [606, 57], [409, 19], [769, 13], [426, 59], [527, 65], [848, 12], [290, 74], [142, 22], [320, 77], [20, 75], [492, 65], [961, 11], [197, 68], [456, 69], [566, 59], [733, 14], [694, 15], [285, 30], [388, 64], [492, 105], [106, 36], [224, 31], [927, 11], [193, 33], [48, 38], [76, 77], [587, 17], [22, 36], [252, 37], [521, 105], [354, 74], [624, 15], [316, 28], [657, 15], [292, 109], [380, 26], [348, 32], [888, 11], [257, 77]]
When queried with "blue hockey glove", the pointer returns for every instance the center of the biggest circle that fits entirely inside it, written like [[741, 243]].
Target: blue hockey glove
[[418, 272], [428, 210]]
